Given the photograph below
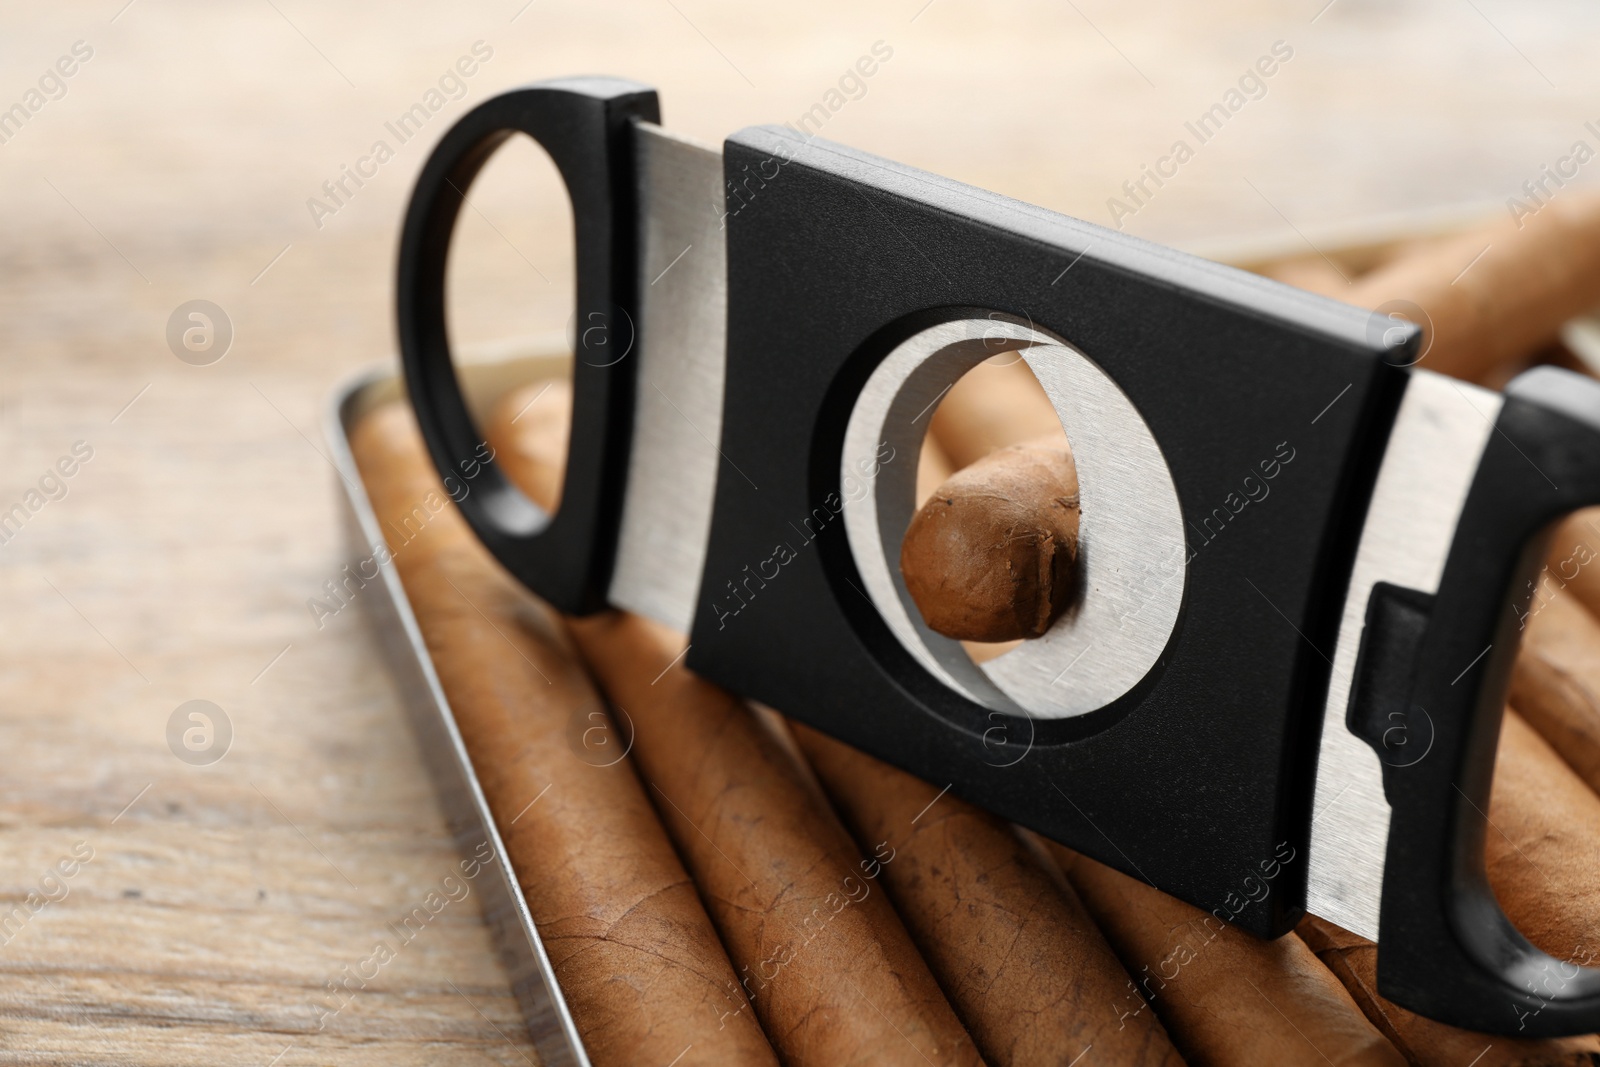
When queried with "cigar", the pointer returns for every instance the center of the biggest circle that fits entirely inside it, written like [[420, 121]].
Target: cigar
[[1312, 273], [1555, 683], [1424, 1042], [1540, 854], [990, 554], [933, 467], [1572, 564], [1494, 296], [637, 957], [1023, 964], [533, 439], [1225, 997], [1542, 846], [997, 403], [823, 958]]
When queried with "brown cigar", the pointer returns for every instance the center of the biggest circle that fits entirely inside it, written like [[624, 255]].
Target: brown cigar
[[982, 560], [1312, 273], [1424, 1042], [636, 955], [1556, 681], [997, 403], [1024, 965], [1540, 851], [1226, 997], [533, 439], [1496, 295], [1572, 564], [1542, 846], [933, 467], [826, 962]]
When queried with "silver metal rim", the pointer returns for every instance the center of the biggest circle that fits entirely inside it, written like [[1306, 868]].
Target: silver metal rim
[[1132, 554]]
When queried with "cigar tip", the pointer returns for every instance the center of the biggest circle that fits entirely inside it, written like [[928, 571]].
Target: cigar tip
[[991, 555]]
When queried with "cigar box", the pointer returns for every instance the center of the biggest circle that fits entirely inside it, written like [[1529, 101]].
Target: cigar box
[[533, 980]]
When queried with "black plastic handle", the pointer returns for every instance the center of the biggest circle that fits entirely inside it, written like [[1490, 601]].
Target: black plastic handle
[[585, 124], [1445, 948]]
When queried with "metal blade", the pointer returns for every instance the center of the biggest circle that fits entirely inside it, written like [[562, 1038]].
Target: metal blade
[[681, 346], [1438, 437]]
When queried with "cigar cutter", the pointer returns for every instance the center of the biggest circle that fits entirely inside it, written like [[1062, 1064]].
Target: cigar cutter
[[1305, 558]]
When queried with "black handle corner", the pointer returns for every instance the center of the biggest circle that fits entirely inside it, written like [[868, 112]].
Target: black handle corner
[[586, 126], [1445, 947]]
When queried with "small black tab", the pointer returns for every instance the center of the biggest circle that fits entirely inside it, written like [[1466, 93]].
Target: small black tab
[[1380, 712]]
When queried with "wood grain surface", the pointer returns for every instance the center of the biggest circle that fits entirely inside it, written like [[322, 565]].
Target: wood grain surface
[[221, 902]]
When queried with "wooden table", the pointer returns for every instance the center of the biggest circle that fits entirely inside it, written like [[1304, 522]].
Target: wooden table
[[222, 899]]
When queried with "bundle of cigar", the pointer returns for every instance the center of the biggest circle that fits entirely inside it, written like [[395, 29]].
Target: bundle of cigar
[[716, 885]]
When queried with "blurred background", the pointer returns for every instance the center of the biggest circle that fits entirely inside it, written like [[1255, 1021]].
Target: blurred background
[[196, 153]]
